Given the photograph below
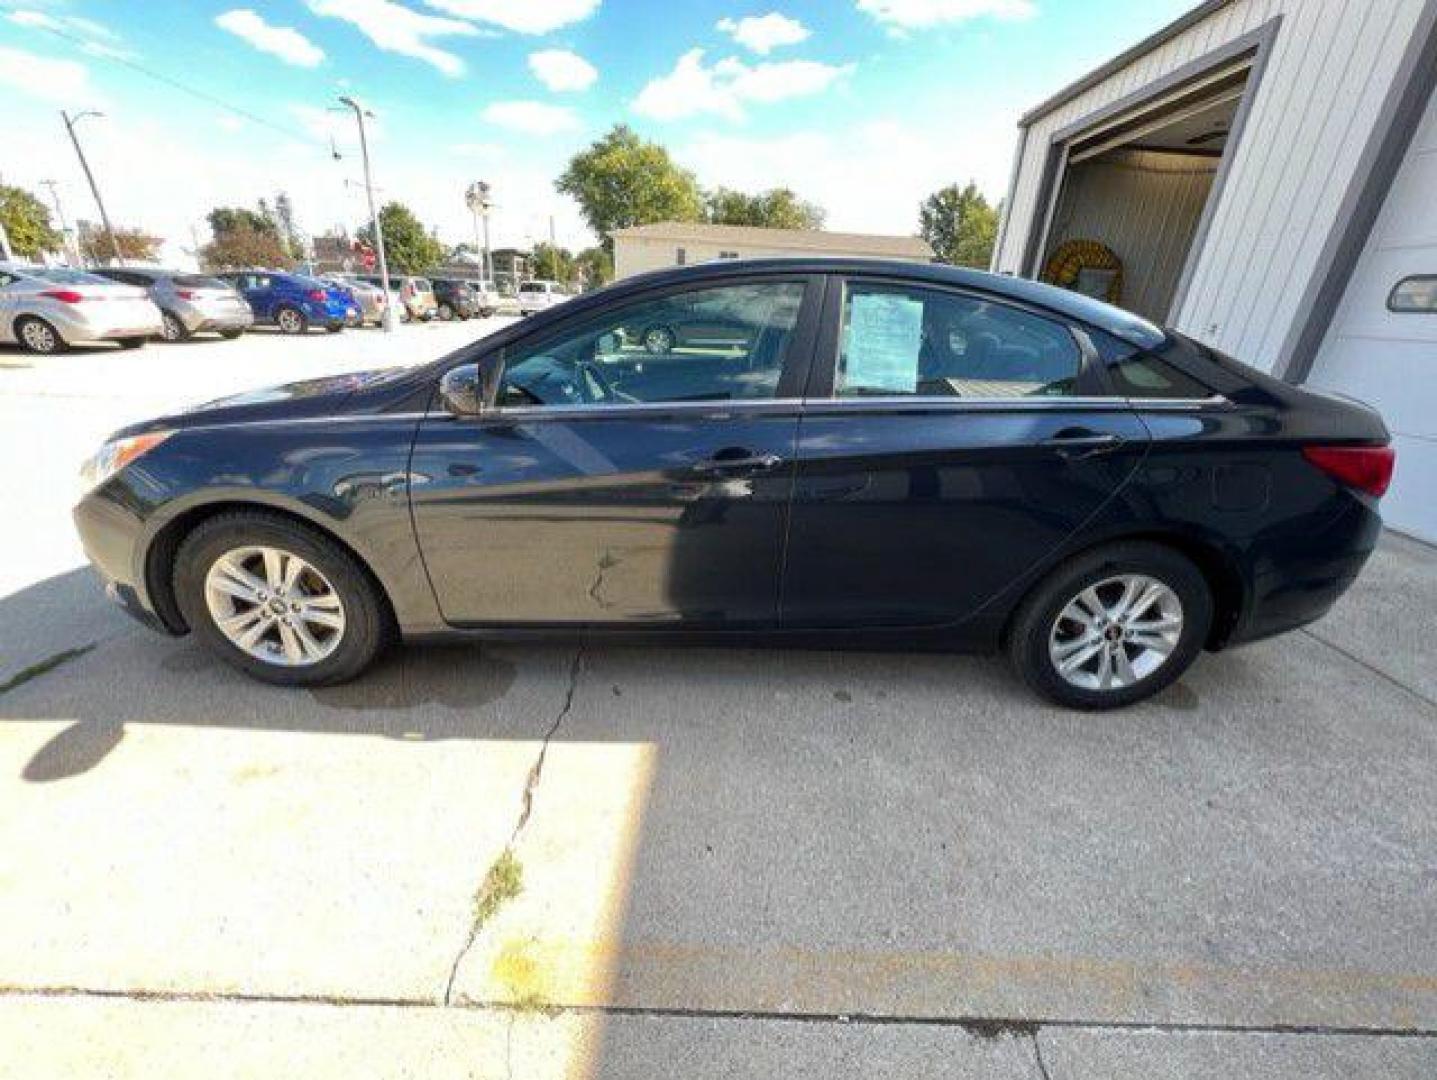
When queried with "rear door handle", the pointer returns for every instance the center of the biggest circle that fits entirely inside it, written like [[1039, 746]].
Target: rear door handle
[[739, 464], [1075, 444]]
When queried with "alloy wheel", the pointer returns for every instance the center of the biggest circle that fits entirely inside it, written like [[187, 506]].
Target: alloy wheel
[[658, 340], [1116, 632], [40, 336], [290, 321], [173, 330], [274, 606]]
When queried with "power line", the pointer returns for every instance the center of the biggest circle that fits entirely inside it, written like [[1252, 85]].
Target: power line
[[202, 95]]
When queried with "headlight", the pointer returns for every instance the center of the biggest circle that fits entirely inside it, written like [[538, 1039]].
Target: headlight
[[116, 454]]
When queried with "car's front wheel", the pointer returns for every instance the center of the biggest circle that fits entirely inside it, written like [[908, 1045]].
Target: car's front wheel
[[174, 329], [1112, 627], [278, 600]]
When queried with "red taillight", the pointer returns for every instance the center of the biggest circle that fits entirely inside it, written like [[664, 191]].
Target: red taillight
[[317, 294], [1366, 468], [186, 294], [65, 296]]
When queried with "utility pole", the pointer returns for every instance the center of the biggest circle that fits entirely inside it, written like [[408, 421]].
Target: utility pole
[[390, 315], [60, 213], [70, 122], [476, 197]]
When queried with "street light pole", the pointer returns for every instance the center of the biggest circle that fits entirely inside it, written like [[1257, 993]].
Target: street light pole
[[60, 214], [477, 198], [70, 122], [390, 315]]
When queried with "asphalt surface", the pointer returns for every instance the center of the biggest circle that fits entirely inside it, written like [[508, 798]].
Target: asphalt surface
[[719, 862]]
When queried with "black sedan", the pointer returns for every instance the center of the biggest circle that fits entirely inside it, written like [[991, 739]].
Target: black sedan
[[890, 454]]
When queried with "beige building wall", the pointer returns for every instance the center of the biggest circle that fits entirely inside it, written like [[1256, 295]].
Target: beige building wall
[[640, 254]]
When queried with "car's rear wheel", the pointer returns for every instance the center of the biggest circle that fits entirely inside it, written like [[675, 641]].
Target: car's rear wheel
[[278, 600], [1112, 627], [231, 334], [131, 342], [658, 340], [173, 328], [37, 336], [291, 321]]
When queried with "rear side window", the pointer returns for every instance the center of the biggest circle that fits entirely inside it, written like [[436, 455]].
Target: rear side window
[[1137, 373], [899, 340]]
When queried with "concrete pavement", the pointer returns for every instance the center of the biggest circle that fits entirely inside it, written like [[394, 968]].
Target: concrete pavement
[[733, 862]]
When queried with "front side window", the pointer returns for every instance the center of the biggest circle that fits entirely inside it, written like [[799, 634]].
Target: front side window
[[899, 340], [726, 343]]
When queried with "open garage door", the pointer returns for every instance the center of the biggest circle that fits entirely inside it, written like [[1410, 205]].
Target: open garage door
[[1129, 195]]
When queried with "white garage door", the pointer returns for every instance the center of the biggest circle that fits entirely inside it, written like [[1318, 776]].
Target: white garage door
[[1388, 358]]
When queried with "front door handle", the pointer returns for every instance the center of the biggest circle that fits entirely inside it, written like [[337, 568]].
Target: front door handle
[[1074, 444], [736, 462]]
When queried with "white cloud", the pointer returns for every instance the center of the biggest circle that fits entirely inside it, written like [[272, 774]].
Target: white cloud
[[561, 70], [901, 165], [282, 41], [764, 33], [531, 117], [98, 39], [521, 16], [397, 29], [61, 82], [727, 86], [917, 14]]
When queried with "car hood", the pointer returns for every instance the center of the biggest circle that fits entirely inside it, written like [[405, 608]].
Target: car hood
[[353, 392]]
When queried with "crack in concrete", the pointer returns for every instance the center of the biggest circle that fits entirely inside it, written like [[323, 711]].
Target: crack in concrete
[[526, 808], [1369, 667], [44, 667], [1011, 1026]]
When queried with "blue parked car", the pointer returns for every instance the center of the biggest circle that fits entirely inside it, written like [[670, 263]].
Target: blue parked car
[[293, 302]]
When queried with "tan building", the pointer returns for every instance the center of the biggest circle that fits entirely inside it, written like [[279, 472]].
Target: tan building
[[673, 243]]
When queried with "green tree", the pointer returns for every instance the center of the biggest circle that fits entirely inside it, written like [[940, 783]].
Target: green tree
[[135, 245], [621, 181], [27, 223], [960, 225], [594, 267], [408, 249], [243, 238], [553, 263], [777, 208]]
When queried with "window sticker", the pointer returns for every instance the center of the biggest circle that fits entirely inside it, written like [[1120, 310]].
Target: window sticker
[[885, 334]]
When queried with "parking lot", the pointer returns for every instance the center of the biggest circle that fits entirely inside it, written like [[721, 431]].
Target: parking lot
[[596, 861]]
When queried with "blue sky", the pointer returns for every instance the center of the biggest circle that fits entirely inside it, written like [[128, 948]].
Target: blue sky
[[862, 106]]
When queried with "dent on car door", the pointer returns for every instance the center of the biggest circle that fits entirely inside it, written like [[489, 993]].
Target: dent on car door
[[951, 443], [597, 491]]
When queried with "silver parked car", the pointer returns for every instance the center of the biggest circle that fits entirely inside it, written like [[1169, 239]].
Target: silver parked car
[[539, 295], [188, 303], [47, 309], [370, 298]]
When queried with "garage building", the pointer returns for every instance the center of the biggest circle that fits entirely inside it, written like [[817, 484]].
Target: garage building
[[1261, 175], [679, 243]]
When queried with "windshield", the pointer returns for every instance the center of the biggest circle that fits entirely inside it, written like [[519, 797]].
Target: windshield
[[199, 281], [69, 277], [533, 287]]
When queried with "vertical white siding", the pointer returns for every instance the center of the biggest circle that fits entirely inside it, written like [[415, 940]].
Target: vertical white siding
[[1331, 67]]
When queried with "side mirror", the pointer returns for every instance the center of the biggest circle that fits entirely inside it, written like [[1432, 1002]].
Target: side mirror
[[462, 390]]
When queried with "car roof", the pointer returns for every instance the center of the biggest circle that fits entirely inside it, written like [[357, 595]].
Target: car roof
[[1072, 305]]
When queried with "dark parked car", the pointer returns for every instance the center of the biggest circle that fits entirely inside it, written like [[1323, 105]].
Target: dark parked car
[[189, 303], [293, 302], [455, 299], [898, 453]]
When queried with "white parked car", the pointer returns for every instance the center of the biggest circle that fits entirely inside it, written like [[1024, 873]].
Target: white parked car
[[539, 295], [489, 297], [47, 309]]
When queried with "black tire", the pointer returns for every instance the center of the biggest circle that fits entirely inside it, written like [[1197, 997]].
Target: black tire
[[232, 333], [486, 313], [40, 338], [291, 320], [1033, 622], [368, 624], [174, 328], [131, 342], [334, 328], [446, 312]]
